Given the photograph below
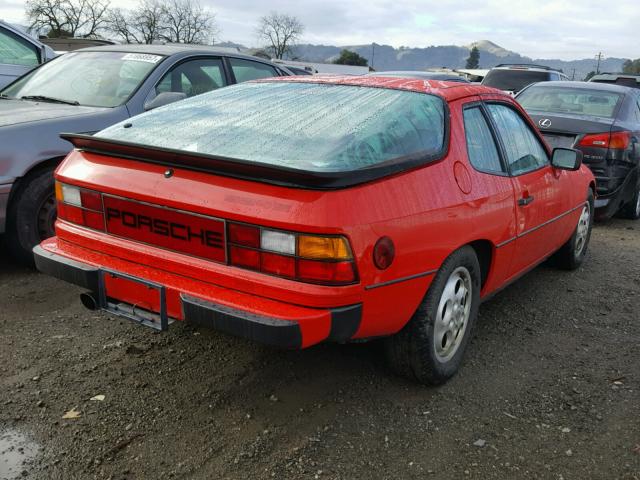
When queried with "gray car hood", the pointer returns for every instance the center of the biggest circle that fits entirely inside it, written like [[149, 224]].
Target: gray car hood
[[13, 112]]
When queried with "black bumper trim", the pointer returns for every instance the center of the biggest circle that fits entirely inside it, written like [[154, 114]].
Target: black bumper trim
[[259, 328], [345, 322], [66, 269]]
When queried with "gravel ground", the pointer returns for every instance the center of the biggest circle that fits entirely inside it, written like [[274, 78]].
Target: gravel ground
[[550, 389]]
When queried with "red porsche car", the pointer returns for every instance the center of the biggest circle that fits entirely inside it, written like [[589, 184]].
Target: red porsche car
[[307, 210]]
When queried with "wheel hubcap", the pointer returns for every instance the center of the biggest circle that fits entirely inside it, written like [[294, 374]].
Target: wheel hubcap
[[582, 229], [638, 203], [453, 314], [46, 218]]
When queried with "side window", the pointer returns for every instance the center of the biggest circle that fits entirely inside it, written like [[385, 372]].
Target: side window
[[246, 70], [638, 109], [17, 51], [554, 76], [482, 150], [193, 77], [524, 151]]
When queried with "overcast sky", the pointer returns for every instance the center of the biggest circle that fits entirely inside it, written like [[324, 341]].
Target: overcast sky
[[538, 29]]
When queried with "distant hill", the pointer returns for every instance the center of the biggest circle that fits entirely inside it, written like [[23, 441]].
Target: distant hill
[[386, 57]]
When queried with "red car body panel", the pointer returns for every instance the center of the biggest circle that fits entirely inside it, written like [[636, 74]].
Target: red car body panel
[[428, 212]]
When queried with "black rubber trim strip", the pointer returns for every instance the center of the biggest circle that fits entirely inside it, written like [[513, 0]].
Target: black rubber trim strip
[[345, 322], [268, 330], [66, 269], [262, 172], [544, 224], [398, 280]]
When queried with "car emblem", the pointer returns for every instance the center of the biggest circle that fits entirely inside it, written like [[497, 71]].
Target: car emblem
[[545, 123]]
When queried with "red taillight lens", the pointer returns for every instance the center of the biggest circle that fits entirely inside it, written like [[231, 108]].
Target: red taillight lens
[[322, 259], [91, 200], [620, 140], [325, 272], [79, 206], [278, 265], [244, 257], [616, 140], [246, 235]]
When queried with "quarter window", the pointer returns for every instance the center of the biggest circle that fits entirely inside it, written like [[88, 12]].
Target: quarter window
[[245, 70], [193, 77], [524, 151], [481, 148]]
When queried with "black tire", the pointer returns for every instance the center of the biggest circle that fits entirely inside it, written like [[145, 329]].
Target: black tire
[[571, 255], [632, 209], [412, 352], [31, 214]]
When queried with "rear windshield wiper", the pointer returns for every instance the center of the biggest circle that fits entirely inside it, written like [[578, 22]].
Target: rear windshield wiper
[[44, 98]]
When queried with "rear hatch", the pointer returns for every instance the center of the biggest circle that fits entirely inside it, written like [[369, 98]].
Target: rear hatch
[[566, 130]]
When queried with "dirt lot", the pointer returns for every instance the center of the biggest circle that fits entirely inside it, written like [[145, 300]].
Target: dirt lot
[[550, 389]]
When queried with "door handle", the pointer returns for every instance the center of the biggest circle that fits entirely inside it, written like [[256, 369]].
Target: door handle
[[525, 201]]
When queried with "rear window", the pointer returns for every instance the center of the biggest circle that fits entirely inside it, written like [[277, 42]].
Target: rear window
[[513, 80], [306, 126], [580, 101]]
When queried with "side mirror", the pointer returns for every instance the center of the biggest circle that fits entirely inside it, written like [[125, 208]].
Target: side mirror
[[566, 158], [164, 98]]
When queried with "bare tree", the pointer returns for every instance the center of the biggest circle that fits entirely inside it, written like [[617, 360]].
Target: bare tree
[[186, 21], [280, 31], [74, 18], [142, 25]]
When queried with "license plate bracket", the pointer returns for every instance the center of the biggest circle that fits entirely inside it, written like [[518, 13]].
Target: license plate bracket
[[158, 321]]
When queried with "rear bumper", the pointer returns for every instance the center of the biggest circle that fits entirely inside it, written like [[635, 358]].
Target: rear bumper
[[256, 318], [607, 204], [5, 190]]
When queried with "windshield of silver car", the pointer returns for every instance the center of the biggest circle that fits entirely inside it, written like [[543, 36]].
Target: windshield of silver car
[[97, 79]]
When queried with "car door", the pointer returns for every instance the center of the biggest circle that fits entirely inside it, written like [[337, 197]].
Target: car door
[[17, 56], [193, 77], [540, 200], [244, 70]]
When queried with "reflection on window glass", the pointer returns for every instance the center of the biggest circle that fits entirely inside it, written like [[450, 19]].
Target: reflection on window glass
[[524, 152], [16, 51], [315, 127], [193, 77], [245, 70], [580, 101], [481, 148], [99, 79]]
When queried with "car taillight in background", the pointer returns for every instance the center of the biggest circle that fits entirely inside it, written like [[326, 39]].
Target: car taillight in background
[[615, 140], [308, 258], [80, 206]]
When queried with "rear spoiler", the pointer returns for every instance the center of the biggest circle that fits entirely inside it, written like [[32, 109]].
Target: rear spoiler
[[242, 169]]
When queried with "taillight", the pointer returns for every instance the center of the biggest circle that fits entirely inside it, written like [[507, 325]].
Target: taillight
[[80, 206], [319, 259], [615, 140]]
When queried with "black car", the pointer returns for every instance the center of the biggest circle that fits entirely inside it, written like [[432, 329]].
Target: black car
[[603, 121], [85, 91]]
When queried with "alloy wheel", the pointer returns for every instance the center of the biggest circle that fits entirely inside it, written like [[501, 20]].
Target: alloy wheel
[[453, 313], [582, 230]]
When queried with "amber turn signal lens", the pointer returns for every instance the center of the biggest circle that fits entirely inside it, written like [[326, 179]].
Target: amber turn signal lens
[[327, 248], [59, 196]]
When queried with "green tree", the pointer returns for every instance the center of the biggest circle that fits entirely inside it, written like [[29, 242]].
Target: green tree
[[348, 57], [474, 58], [589, 75], [631, 66]]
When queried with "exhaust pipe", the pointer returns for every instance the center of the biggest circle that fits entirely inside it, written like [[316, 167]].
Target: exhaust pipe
[[88, 299]]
